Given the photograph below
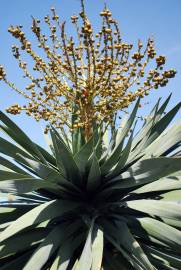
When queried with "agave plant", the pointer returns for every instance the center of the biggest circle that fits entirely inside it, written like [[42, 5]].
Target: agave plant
[[98, 199], [96, 205]]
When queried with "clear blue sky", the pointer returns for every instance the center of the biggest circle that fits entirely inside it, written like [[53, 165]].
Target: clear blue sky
[[137, 18]]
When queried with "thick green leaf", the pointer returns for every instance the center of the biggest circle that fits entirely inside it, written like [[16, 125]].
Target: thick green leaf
[[75, 132], [66, 157], [165, 141], [57, 154], [144, 132], [9, 175], [138, 231], [107, 152], [11, 166], [4, 226], [20, 137], [168, 256], [133, 261], [97, 248], [37, 215], [151, 119], [85, 260], [162, 108], [12, 212], [45, 250], [27, 239], [161, 264], [174, 196], [45, 172], [65, 136], [165, 233], [83, 155], [77, 140], [172, 222], [11, 150], [172, 182], [66, 251], [75, 265], [106, 138], [113, 159], [51, 243], [122, 160], [98, 143], [163, 123], [49, 158], [7, 209], [49, 143], [116, 261], [146, 171], [25, 185], [161, 209], [129, 243], [94, 177], [45, 156], [17, 263]]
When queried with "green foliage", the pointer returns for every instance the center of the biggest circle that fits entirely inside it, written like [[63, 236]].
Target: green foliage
[[91, 205]]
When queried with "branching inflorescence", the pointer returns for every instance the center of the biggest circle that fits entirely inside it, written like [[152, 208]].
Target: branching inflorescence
[[90, 77]]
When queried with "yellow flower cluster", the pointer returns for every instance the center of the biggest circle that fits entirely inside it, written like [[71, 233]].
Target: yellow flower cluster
[[91, 77], [2, 73]]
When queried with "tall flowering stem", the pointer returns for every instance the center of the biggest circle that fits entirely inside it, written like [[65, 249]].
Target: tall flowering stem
[[90, 77]]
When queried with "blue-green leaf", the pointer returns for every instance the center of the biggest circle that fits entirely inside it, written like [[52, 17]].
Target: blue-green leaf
[[66, 158], [94, 177], [112, 160], [43, 212]]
